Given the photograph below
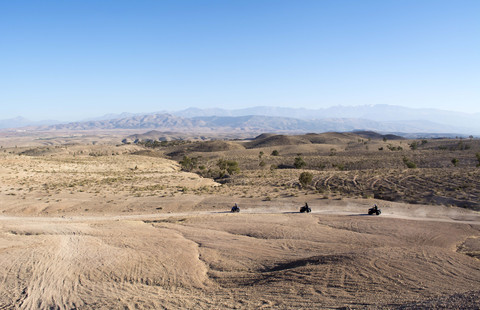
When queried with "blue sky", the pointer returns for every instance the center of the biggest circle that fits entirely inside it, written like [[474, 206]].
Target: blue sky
[[69, 60]]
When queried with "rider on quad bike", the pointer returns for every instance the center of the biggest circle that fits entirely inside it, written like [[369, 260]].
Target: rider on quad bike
[[235, 208], [374, 210], [305, 208]]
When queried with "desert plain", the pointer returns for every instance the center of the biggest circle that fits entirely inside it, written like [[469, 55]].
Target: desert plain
[[90, 222]]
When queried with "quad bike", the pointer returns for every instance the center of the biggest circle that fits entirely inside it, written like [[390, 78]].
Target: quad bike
[[235, 208], [374, 210], [305, 208]]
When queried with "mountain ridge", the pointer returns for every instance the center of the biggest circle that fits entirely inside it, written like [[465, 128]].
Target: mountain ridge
[[380, 118]]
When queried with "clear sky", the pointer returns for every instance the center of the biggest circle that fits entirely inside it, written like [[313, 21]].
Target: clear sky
[[69, 60]]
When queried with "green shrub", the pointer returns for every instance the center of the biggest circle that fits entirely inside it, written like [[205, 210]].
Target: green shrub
[[410, 164], [299, 162], [394, 148], [188, 163], [229, 166], [305, 178]]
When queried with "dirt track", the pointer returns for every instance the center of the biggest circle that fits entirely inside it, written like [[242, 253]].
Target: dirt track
[[254, 259], [102, 227]]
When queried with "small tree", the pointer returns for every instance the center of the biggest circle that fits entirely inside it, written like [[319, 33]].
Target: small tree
[[299, 162], [232, 167], [305, 179], [455, 161], [410, 164], [188, 163], [229, 166]]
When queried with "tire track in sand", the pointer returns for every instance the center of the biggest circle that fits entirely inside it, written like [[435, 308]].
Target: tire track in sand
[[55, 276]]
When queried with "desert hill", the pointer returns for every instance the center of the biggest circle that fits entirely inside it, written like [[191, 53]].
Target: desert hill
[[156, 135], [377, 136], [269, 140], [215, 146], [277, 140], [87, 222], [361, 164]]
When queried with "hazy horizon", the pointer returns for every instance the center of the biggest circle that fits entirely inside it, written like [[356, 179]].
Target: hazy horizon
[[77, 60], [176, 111]]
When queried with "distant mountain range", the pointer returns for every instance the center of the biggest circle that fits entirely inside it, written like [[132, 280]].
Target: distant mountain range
[[380, 118], [23, 122], [457, 121]]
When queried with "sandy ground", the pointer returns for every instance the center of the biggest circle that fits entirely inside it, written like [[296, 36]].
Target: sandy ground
[[265, 257], [83, 230]]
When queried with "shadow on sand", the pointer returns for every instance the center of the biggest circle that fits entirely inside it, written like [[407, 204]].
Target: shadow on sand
[[362, 214]]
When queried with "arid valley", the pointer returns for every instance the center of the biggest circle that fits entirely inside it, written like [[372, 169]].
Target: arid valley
[[123, 221], [249, 154]]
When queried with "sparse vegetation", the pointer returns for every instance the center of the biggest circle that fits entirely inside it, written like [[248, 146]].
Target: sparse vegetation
[[352, 172], [305, 178], [410, 164], [340, 167], [228, 166], [394, 148], [299, 162], [463, 146], [188, 164]]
